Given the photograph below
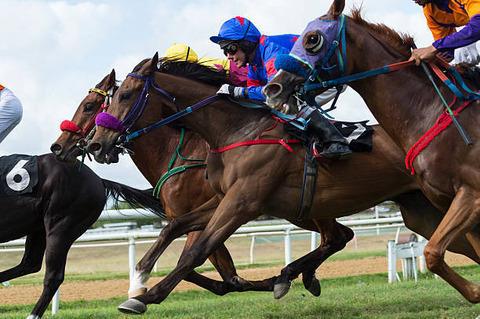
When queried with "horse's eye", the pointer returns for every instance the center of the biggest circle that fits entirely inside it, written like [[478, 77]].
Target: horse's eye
[[313, 42], [125, 96], [88, 107]]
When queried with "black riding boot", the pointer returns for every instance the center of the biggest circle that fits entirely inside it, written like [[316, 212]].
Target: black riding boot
[[334, 144]]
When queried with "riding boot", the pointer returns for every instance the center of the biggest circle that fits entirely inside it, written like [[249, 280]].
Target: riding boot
[[335, 145]]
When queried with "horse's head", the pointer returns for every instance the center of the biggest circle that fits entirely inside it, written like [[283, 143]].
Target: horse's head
[[315, 54], [123, 114], [73, 140]]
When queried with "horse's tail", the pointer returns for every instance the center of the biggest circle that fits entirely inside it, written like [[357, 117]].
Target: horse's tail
[[135, 197]]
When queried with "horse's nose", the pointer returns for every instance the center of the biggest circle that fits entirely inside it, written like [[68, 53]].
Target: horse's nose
[[56, 149], [272, 90], [94, 148]]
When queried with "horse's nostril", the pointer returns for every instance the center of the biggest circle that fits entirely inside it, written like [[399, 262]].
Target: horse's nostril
[[272, 89], [56, 148], [94, 147]]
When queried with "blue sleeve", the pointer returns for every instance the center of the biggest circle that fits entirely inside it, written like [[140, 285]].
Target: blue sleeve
[[468, 35]]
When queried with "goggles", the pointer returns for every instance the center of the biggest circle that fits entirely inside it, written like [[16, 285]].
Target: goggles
[[230, 48]]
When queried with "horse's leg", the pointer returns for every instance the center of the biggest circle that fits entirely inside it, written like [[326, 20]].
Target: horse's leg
[[423, 218], [462, 216], [223, 263], [473, 238], [32, 258], [334, 238], [229, 216], [145, 265], [199, 216], [59, 241]]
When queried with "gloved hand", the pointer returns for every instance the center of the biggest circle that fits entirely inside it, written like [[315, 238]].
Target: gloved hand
[[233, 91], [467, 54]]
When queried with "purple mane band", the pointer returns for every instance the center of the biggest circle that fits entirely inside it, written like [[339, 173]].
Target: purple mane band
[[109, 121]]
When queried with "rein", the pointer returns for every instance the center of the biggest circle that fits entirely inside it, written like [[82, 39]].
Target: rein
[[109, 121]]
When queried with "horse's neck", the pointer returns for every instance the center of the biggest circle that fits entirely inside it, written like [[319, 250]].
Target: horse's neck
[[401, 101], [225, 123], [220, 123], [155, 150]]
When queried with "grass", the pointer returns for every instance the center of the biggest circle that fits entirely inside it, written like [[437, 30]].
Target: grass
[[366, 296]]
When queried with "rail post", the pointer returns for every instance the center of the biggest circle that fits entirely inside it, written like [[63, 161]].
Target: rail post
[[131, 255], [288, 246], [56, 302], [251, 249]]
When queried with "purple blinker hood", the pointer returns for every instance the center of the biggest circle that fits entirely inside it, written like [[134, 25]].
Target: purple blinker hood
[[330, 30]]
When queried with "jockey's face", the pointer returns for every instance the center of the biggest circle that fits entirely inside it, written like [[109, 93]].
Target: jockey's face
[[239, 58]]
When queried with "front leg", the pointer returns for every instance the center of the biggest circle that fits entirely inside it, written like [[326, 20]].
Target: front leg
[[234, 210], [199, 218]]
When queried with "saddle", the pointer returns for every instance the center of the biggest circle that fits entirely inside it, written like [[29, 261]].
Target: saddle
[[357, 134]]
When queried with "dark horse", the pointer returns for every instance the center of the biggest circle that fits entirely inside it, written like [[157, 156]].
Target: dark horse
[[266, 179], [153, 155], [406, 104], [61, 207]]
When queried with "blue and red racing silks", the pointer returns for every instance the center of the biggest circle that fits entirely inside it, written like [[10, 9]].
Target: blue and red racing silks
[[262, 69], [444, 16]]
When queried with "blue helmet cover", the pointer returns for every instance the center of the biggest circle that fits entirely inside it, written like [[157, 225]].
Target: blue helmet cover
[[237, 29]]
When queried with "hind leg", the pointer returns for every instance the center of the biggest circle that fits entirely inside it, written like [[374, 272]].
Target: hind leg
[[334, 238], [32, 258]]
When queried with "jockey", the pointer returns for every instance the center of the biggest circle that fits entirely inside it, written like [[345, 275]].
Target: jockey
[[443, 17], [243, 44], [11, 111], [182, 52]]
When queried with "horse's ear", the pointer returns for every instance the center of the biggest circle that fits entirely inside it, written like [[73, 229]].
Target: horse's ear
[[154, 63], [111, 78], [337, 8]]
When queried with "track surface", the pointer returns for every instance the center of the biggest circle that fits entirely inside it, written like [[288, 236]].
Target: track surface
[[103, 289]]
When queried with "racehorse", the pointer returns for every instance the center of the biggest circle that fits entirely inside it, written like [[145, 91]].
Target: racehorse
[[154, 155], [254, 180], [61, 206], [408, 106]]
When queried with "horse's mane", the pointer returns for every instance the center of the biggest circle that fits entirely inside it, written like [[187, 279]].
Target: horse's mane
[[193, 71], [403, 43]]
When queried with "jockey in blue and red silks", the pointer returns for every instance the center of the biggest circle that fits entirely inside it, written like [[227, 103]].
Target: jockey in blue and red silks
[[443, 17], [243, 44]]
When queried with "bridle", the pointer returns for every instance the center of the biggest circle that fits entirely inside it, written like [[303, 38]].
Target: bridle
[[109, 121], [87, 132]]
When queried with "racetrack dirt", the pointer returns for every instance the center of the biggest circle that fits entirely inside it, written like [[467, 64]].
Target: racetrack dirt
[[103, 289]]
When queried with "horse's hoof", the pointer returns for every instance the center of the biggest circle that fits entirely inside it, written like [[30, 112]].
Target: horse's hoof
[[132, 307], [281, 289], [242, 283], [136, 293], [315, 287]]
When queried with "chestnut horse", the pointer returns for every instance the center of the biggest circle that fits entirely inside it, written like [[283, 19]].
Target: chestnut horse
[[407, 105], [153, 155], [64, 203], [255, 180]]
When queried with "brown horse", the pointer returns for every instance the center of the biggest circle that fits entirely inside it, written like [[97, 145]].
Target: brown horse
[[152, 155], [256, 180], [63, 204], [406, 104]]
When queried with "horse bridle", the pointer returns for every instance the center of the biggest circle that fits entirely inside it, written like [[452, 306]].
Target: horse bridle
[[109, 121], [87, 132]]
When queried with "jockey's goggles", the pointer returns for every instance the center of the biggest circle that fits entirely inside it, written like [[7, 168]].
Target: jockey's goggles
[[230, 48]]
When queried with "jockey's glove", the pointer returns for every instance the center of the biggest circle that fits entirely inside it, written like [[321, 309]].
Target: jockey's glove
[[233, 91]]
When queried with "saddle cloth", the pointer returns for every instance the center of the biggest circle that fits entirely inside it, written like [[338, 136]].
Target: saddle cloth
[[18, 173]]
